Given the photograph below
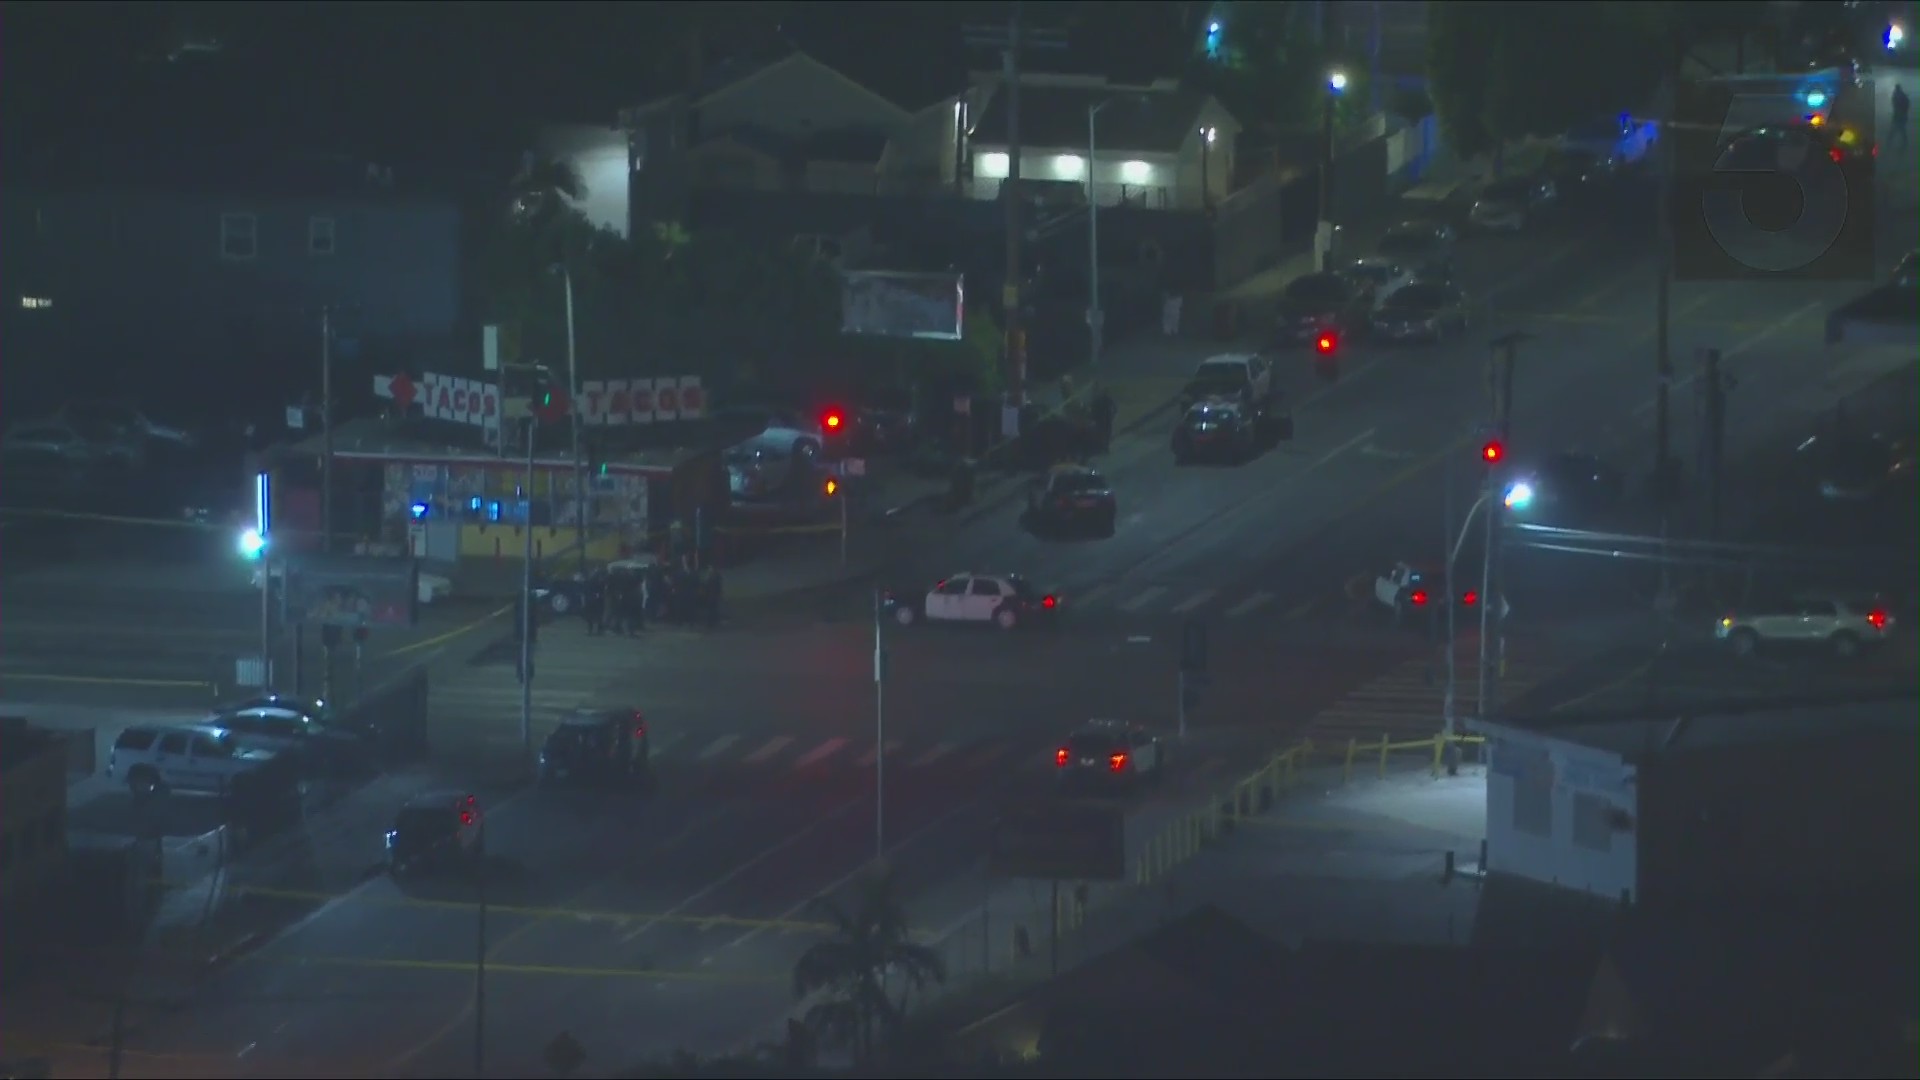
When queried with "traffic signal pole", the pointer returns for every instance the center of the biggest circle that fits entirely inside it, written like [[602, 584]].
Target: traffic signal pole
[[1492, 665], [526, 612]]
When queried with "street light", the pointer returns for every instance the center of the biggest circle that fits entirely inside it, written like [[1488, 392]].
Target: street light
[[1096, 318], [252, 544], [1519, 496], [573, 397], [1323, 234]]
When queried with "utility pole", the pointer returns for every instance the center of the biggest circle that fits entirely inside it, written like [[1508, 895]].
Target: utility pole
[[1663, 471], [1713, 386], [326, 430], [879, 735], [1011, 41], [1500, 380], [581, 501], [526, 610], [480, 962], [1449, 727]]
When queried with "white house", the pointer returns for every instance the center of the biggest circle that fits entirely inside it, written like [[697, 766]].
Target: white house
[[1157, 145]]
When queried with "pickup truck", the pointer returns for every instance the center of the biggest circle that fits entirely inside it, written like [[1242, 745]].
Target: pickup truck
[[187, 757], [1245, 379]]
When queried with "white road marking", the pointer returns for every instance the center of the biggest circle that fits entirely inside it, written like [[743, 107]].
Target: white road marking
[[1087, 598], [869, 757], [718, 746], [1193, 601], [933, 755], [772, 747], [820, 753], [1142, 598], [1252, 603]]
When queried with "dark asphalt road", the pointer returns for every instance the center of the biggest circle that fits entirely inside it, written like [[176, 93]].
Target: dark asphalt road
[[764, 737], [645, 923]]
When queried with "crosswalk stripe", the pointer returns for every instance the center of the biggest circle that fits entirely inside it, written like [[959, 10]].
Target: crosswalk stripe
[[772, 747], [870, 757], [1255, 601], [820, 753], [1193, 601], [718, 746], [1143, 598], [933, 755], [1087, 598]]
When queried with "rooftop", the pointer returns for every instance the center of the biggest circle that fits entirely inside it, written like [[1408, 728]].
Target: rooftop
[[1054, 116], [1641, 739]]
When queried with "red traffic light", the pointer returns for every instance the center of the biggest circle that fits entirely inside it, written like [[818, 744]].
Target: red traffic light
[[1418, 598], [1326, 343], [1469, 598], [1493, 452], [832, 421]]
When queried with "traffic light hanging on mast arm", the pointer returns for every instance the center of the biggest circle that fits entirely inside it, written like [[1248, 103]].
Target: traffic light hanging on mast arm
[[1493, 452]]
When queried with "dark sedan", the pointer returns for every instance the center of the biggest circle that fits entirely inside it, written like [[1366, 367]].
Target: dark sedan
[[1423, 311], [1220, 430], [1320, 302]]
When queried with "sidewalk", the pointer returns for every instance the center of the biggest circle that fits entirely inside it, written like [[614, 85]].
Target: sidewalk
[[1359, 860]]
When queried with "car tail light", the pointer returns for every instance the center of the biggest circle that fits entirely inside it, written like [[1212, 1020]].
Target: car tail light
[[1418, 598], [466, 817], [1878, 618], [1048, 601], [639, 725], [1061, 757], [1835, 154], [1117, 761]]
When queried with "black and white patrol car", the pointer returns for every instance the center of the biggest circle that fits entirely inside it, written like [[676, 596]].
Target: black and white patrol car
[[1109, 752], [1007, 601]]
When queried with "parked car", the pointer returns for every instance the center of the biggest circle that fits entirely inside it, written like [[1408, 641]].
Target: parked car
[[1429, 311], [1424, 247], [1510, 205]]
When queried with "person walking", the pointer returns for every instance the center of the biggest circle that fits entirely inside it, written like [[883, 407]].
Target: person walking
[[593, 605], [1902, 105]]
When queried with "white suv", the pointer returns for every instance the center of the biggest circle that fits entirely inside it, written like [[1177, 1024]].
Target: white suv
[[188, 757], [1843, 624]]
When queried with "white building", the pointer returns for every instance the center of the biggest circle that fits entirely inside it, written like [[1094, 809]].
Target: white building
[[1155, 146], [1675, 812]]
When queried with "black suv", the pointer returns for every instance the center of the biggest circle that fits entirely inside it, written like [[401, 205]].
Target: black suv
[[596, 746], [1215, 430]]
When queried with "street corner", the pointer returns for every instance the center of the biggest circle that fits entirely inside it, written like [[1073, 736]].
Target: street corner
[[836, 599]]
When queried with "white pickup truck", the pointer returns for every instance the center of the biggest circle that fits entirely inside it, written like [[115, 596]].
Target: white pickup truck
[[188, 757], [1244, 378]]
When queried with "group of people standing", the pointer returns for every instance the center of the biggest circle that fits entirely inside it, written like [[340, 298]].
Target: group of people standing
[[625, 602]]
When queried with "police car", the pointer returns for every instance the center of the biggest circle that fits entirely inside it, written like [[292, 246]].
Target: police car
[[1007, 601]]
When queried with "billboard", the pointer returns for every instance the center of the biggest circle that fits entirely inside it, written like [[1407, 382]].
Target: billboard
[[351, 590], [1057, 840], [616, 402], [900, 304]]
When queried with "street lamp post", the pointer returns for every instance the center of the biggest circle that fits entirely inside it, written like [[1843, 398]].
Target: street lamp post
[[573, 399], [1516, 496], [1096, 318], [1323, 234]]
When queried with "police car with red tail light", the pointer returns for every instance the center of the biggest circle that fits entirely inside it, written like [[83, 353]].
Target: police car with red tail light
[[1007, 601], [1109, 752]]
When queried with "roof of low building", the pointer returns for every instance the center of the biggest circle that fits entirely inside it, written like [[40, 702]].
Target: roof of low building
[[1055, 117]]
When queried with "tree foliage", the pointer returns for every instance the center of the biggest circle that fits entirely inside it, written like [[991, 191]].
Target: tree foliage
[[1506, 71], [864, 975]]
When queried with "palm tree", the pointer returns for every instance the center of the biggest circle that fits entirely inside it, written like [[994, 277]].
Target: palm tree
[[852, 969], [543, 188]]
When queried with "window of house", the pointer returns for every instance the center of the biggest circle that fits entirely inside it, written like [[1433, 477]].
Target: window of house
[[239, 236], [1592, 822], [320, 236]]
